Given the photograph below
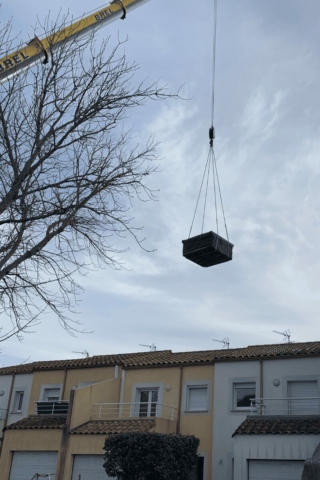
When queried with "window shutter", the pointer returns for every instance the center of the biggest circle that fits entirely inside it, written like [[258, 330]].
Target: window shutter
[[304, 406], [198, 399]]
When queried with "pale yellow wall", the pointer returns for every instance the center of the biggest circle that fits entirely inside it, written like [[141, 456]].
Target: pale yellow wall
[[74, 377], [26, 440], [82, 444], [108, 391], [200, 424], [43, 378], [71, 378], [167, 376], [86, 397], [93, 444]]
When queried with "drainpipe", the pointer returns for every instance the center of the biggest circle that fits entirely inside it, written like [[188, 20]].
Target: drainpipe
[[123, 377], [9, 400], [64, 440], [180, 399], [7, 412], [64, 384], [261, 383]]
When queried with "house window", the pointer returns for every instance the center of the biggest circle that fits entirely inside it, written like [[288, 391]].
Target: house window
[[243, 393], [304, 398], [50, 392], [148, 400], [18, 402], [197, 398]]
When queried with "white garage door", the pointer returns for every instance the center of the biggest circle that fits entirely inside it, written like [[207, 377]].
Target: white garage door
[[26, 464], [89, 467], [275, 469]]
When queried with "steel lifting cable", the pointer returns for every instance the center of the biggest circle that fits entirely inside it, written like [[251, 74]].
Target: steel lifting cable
[[211, 157]]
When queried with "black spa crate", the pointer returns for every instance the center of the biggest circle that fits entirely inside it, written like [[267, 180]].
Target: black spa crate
[[207, 249]]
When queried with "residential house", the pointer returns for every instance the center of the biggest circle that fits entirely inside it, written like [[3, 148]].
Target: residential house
[[67, 408], [266, 411]]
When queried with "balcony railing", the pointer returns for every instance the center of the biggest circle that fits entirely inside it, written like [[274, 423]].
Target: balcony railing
[[133, 410], [285, 406], [52, 408]]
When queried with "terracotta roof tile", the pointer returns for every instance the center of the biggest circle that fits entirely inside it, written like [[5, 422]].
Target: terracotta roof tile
[[168, 358], [279, 426], [108, 427], [38, 422]]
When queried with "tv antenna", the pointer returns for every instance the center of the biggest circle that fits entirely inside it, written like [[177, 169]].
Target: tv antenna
[[84, 353], [225, 342], [286, 335], [152, 347]]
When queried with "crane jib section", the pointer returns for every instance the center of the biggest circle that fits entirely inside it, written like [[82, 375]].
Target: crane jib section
[[37, 50]]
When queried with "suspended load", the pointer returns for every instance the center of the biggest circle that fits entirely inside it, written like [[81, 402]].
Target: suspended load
[[207, 249]]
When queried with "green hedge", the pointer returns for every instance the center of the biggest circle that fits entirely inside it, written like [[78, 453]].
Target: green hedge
[[150, 456]]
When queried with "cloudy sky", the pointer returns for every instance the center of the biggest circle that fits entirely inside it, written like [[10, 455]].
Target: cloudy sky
[[267, 146]]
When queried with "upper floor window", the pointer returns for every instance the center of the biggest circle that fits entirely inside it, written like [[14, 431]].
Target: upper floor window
[[303, 397], [18, 401], [51, 394], [148, 400], [197, 398], [243, 393]]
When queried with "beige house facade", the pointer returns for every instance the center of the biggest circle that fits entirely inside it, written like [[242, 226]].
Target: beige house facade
[[73, 405]]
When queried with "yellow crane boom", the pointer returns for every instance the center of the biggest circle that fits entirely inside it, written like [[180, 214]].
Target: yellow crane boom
[[37, 51]]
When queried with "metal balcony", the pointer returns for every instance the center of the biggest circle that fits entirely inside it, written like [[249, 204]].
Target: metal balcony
[[52, 408], [285, 406], [108, 411]]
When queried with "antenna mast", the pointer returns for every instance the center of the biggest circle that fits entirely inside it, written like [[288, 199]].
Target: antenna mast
[[84, 353], [225, 342], [286, 335], [152, 347]]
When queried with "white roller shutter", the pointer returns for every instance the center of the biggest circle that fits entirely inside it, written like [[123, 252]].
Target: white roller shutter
[[198, 399], [303, 406], [275, 469], [26, 464], [89, 467]]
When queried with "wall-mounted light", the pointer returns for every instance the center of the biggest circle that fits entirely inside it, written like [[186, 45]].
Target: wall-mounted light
[[1, 393], [276, 382], [168, 388]]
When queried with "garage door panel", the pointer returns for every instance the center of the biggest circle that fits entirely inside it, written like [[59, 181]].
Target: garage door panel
[[26, 464], [90, 467], [275, 469]]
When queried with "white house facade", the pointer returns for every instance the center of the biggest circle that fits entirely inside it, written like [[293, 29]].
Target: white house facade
[[266, 419]]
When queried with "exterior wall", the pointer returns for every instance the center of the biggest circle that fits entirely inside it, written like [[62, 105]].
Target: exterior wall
[[44, 378], [270, 447], [94, 375], [82, 445], [26, 440], [225, 418], [86, 397], [288, 370], [67, 379], [166, 377], [199, 424], [21, 383], [172, 382], [169, 380]]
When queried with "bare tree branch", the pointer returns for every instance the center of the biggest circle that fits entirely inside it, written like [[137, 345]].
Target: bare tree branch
[[68, 174]]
